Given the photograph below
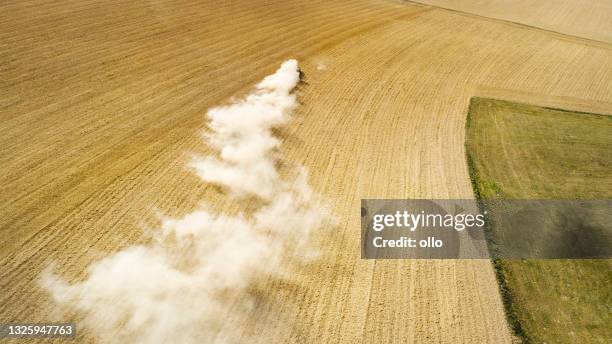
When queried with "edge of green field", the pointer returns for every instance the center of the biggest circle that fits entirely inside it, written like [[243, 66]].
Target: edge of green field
[[565, 175], [507, 299]]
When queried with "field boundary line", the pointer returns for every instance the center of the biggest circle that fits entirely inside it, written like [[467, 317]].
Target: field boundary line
[[564, 103], [560, 35]]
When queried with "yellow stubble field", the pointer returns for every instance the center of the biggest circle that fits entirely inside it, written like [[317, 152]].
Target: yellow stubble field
[[103, 104]]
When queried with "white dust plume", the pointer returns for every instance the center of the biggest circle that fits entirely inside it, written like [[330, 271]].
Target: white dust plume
[[174, 290]]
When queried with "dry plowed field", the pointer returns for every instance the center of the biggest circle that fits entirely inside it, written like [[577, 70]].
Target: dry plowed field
[[103, 102]]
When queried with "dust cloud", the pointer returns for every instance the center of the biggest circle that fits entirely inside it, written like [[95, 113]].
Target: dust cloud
[[173, 290]]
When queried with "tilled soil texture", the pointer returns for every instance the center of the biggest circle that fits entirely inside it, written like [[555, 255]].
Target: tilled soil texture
[[103, 104]]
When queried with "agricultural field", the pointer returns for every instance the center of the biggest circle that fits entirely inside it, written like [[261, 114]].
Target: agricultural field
[[104, 104], [521, 151], [581, 19]]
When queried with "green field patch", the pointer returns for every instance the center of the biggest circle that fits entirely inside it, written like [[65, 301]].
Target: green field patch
[[521, 151]]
